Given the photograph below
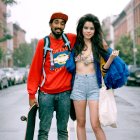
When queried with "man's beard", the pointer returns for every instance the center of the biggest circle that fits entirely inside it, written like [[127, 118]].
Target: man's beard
[[57, 35]]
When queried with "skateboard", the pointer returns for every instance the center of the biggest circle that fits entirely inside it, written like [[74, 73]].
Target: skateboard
[[31, 118]]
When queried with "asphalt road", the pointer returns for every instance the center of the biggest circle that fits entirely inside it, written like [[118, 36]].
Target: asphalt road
[[14, 104]]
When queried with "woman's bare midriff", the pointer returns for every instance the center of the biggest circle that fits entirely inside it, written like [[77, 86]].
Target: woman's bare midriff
[[81, 68]]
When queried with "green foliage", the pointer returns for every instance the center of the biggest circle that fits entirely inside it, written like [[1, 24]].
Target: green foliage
[[138, 55], [138, 31], [5, 31], [1, 54], [9, 2], [22, 56], [6, 37], [125, 46]]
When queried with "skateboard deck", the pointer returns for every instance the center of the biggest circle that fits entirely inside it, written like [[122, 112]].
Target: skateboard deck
[[31, 118]]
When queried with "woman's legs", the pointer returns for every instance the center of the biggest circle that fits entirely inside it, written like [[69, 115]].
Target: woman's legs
[[80, 109], [94, 118]]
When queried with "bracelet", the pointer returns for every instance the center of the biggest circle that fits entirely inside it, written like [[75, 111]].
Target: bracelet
[[104, 70]]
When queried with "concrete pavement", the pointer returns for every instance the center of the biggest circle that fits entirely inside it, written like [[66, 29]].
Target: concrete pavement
[[128, 125], [14, 103]]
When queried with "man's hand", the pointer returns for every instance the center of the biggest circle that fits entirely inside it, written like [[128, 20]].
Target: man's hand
[[32, 102]]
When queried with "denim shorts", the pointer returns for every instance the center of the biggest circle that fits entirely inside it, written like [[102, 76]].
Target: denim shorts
[[85, 87]]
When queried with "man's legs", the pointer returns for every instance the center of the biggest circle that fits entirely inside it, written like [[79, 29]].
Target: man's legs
[[46, 109], [62, 114]]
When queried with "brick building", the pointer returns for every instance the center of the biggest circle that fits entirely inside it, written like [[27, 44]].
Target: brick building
[[128, 22], [109, 30], [2, 24], [136, 8], [18, 38], [17, 33]]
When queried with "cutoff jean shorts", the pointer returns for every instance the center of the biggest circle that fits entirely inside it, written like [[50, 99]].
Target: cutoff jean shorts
[[85, 87]]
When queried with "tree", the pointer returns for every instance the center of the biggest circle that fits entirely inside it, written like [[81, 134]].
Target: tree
[[138, 46], [1, 54], [22, 56], [9, 2], [6, 36], [125, 45], [138, 55], [138, 31]]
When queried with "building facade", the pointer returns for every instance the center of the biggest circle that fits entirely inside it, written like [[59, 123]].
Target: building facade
[[136, 10], [108, 30], [2, 23], [18, 35], [13, 30], [18, 38], [128, 22]]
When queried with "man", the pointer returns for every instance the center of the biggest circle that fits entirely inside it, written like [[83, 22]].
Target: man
[[55, 85]]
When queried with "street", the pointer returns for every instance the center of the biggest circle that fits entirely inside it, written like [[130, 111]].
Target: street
[[14, 104]]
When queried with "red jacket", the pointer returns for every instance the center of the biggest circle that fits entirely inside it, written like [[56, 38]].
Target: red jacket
[[57, 80]]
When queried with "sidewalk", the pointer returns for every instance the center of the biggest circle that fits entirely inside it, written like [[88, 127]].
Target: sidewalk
[[128, 121], [53, 130]]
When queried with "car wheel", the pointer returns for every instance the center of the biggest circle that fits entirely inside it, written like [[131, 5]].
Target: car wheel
[[14, 82], [7, 85], [1, 85]]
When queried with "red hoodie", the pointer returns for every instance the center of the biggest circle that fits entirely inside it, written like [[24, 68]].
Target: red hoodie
[[57, 80]]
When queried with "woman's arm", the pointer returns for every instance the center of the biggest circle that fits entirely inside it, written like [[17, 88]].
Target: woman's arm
[[114, 53], [110, 59]]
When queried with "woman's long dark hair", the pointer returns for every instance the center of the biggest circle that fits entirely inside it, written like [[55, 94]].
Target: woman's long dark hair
[[97, 39]]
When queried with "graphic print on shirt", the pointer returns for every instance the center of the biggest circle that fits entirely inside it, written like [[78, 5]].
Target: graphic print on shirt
[[60, 58]]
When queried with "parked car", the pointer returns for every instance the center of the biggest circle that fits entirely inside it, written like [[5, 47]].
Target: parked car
[[10, 75], [137, 75], [24, 72], [3, 79], [19, 78], [134, 77]]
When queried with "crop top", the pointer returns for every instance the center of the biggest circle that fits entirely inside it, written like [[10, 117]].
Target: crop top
[[85, 59]]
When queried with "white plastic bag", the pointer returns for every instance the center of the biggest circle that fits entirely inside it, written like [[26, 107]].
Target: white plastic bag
[[107, 108]]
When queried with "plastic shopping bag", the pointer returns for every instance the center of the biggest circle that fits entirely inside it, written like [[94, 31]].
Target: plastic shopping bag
[[107, 108]]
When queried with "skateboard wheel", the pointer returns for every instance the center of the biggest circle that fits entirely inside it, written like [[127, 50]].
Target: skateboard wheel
[[23, 118]]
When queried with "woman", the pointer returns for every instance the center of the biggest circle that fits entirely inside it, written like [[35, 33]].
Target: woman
[[89, 50]]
